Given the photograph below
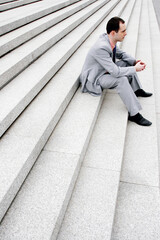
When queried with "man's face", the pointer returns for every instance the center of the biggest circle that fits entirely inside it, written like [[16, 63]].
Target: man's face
[[120, 35]]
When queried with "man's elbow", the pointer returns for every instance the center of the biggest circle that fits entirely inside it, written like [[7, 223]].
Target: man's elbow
[[114, 74]]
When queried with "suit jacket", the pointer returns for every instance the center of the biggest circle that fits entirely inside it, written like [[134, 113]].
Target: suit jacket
[[99, 61]]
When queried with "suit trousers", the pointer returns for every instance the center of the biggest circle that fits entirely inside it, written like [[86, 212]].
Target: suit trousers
[[125, 87]]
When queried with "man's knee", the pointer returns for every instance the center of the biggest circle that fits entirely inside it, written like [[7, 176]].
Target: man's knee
[[122, 81], [123, 84]]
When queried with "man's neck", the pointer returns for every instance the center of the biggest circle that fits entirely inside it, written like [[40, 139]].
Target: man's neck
[[112, 41]]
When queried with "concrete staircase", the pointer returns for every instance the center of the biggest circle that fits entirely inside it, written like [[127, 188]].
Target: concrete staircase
[[52, 134], [6, 5]]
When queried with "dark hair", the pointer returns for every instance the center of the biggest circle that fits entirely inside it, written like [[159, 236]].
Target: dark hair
[[113, 24]]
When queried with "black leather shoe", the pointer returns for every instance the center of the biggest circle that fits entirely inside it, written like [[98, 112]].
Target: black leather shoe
[[139, 119], [142, 93]]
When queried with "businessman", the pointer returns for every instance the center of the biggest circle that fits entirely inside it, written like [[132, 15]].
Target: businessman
[[107, 66]]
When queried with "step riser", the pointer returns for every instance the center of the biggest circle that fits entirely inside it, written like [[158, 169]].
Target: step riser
[[76, 173], [43, 139], [5, 48], [46, 134], [125, 124], [25, 62], [14, 188], [20, 22], [140, 176], [11, 5], [137, 8], [6, 1], [19, 108], [95, 110]]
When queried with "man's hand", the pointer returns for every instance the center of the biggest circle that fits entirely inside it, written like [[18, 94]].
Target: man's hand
[[140, 66]]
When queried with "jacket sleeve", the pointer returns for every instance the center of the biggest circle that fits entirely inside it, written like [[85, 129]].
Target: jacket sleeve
[[120, 54], [103, 57]]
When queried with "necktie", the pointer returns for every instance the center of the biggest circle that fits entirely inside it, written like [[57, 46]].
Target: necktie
[[114, 54]]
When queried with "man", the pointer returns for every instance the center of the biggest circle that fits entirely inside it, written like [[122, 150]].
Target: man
[[102, 71]]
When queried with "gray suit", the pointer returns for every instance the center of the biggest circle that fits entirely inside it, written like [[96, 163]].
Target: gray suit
[[100, 72]]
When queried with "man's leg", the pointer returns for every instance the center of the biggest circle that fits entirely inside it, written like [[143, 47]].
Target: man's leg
[[134, 82], [125, 91], [127, 95], [133, 79]]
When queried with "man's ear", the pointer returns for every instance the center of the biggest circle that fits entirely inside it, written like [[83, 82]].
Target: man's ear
[[112, 33]]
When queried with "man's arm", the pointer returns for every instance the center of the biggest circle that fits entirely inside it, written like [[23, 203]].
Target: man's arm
[[120, 54], [103, 57]]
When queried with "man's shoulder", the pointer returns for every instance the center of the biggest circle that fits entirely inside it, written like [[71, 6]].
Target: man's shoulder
[[103, 42]]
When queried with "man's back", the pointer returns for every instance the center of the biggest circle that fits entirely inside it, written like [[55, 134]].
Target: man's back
[[92, 69]]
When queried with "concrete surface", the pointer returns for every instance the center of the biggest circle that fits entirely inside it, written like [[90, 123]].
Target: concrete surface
[[138, 206], [39, 207], [20, 35]]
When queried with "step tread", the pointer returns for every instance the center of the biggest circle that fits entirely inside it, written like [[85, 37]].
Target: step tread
[[6, 1], [139, 207], [29, 9], [138, 200], [58, 170], [104, 156], [145, 138], [9, 61], [90, 211], [37, 127], [18, 93], [19, 3], [13, 39], [69, 138], [15, 18], [44, 125]]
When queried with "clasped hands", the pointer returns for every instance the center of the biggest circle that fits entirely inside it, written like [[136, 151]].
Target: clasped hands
[[139, 66]]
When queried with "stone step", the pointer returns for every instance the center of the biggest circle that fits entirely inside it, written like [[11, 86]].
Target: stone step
[[67, 147], [19, 36], [90, 213], [155, 40], [60, 173], [25, 139], [157, 10], [91, 209], [50, 183], [20, 92], [15, 18], [139, 199], [6, 1], [16, 61], [10, 5]]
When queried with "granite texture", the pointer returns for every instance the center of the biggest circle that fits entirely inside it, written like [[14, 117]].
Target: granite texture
[[17, 158], [14, 62], [39, 207], [75, 123], [155, 40], [89, 215], [26, 86], [38, 128], [138, 207], [108, 138], [137, 214], [10, 5], [18, 36], [141, 150], [15, 18]]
